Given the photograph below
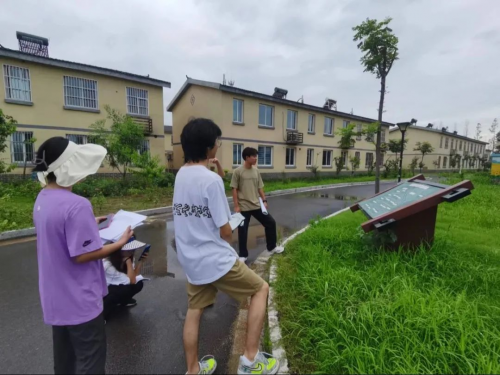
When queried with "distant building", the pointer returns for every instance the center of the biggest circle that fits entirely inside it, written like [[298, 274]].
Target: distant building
[[291, 136], [50, 97], [169, 147], [445, 145]]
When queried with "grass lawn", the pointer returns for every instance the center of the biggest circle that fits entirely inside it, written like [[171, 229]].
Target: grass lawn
[[348, 308]]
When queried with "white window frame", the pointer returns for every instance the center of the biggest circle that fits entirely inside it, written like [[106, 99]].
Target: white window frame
[[330, 152], [295, 115], [239, 156], [382, 135], [293, 154], [272, 156], [25, 136], [272, 115], [332, 123], [238, 120], [132, 92], [345, 124], [78, 85], [11, 80], [441, 143], [73, 137], [311, 125], [310, 157], [446, 143]]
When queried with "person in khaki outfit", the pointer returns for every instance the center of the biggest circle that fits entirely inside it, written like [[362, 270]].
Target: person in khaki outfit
[[202, 237], [247, 187]]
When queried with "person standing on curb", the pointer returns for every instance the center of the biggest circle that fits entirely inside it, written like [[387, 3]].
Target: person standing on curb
[[247, 187], [69, 250], [202, 236]]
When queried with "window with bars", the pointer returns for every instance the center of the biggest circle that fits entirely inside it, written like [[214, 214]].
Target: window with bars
[[368, 159], [328, 126], [290, 157], [311, 124], [21, 149], [17, 83], [343, 155], [79, 139], [265, 157], [137, 101], [237, 157], [327, 158], [80, 93], [359, 129], [238, 111], [144, 148], [310, 157]]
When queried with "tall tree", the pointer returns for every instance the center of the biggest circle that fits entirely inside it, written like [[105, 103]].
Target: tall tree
[[493, 129], [7, 128], [380, 48], [424, 148], [478, 131]]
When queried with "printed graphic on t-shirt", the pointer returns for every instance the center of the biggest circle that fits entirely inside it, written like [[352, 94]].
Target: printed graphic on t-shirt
[[186, 210], [87, 243]]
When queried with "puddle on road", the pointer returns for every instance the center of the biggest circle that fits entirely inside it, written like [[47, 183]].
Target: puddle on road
[[333, 196]]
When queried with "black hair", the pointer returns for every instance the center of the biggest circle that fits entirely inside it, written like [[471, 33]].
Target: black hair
[[199, 136], [249, 151], [116, 260], [49, 152]]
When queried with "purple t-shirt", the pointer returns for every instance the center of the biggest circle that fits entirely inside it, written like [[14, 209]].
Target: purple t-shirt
[[71, 293]]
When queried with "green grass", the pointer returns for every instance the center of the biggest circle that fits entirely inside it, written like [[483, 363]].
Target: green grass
[[348, 308]]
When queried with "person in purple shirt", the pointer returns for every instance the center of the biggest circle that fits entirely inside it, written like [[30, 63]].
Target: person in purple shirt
[[72, 283]]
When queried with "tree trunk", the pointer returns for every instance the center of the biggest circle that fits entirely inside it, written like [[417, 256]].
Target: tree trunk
[[379, 141]]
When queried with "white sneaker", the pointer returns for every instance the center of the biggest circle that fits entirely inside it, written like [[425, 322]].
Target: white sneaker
[[243, 259], [277, 250]]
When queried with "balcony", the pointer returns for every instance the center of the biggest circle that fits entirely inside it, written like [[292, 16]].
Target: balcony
[[145, 122], [294, 138]]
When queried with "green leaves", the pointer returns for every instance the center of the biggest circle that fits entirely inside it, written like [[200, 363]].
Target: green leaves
[[7, 128], [379, 44]]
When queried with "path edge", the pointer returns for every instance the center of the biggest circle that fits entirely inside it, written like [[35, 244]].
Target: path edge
[[29, 232]]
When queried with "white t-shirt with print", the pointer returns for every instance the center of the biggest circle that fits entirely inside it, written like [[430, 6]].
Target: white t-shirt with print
[[200, 209]]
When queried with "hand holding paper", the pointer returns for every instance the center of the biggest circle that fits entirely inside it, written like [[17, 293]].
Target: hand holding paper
[[263, 206]]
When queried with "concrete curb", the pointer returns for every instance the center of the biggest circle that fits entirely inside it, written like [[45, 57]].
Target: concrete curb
[[29, 232]]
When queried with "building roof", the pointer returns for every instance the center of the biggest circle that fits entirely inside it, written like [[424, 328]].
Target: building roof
[[450, 134], [14, 54], [235, 90], [167, 129]]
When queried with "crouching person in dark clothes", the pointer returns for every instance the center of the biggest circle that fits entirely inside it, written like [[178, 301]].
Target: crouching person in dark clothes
[[69, 250], [123, 279]]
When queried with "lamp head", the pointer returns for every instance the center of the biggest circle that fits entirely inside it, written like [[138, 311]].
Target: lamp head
[[403, 126]]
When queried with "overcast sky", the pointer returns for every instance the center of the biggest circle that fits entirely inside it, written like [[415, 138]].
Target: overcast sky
[[448, 72]]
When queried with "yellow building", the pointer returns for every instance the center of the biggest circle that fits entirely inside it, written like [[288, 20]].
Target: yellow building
[[291, 136], [445, 144], [50, 97], [169, 147]]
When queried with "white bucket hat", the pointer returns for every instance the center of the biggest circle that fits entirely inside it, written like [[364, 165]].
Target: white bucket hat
[[74, 164]]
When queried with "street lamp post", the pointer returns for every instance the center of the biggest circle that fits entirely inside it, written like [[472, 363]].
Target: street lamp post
[[402, 127]]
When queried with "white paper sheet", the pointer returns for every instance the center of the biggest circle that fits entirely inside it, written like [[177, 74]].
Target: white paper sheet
[[262, 207], [236, 220], [119, 224]]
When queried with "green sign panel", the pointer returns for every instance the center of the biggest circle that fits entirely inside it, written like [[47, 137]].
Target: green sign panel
[[397, 197]]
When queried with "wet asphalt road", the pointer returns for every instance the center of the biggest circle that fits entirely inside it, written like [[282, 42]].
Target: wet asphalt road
[[148, 337]]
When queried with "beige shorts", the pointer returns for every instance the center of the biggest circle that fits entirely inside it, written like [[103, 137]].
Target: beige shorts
[[240, 282]]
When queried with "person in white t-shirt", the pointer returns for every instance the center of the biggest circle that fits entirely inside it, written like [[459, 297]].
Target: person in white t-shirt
[[202, 236], [123, 278]]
